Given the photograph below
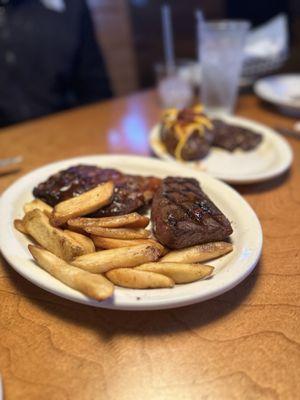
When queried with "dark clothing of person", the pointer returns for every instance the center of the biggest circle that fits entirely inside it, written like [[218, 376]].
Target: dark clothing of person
[[49, 59], [256, 11]]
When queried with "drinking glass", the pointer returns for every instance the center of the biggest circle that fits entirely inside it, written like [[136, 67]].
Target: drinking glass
[[173, 90], [221, 57]]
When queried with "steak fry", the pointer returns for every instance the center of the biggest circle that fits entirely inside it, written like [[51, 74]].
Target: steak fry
[[134, 279], [180, 273], [37, 225], [83, 204], [118, 233], [94, 286], [198, 253], [110, 243], [133, 220], [105, 260]]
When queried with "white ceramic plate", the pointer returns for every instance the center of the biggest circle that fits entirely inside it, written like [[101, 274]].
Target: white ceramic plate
[[229, 270], [270, 159], [282, 91]]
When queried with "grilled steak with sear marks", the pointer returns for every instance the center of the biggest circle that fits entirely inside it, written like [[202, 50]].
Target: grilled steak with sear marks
[[131, 191], [182, 215]]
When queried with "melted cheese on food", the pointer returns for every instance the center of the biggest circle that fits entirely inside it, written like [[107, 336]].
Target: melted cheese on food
[[184, 130]]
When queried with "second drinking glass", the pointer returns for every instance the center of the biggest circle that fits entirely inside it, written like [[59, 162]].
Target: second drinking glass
[[221, 57]]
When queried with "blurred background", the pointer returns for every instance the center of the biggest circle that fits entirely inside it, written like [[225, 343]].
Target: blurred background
[[59, 54], [130, 34]]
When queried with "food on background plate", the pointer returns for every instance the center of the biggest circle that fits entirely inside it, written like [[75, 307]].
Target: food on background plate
[[121, 247], [132, 278], [182, 215], [232, 137], [131, 192], [94, 286], [188, 134]]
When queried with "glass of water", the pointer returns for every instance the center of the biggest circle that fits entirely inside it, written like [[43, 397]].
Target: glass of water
[[173, 90], [221, 58]]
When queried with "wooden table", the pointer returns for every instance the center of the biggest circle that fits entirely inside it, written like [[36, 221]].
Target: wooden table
[[241, 345]]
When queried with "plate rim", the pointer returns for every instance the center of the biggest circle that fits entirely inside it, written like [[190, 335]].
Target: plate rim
[[260, 93], [285, 148], [155, 303]]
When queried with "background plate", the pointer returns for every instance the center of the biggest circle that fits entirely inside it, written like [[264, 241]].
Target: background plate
[[270, 159], [229, 270], [282, 91]]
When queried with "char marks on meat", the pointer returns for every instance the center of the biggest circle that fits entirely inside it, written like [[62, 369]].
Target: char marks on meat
[[131, 191], [182, 215]]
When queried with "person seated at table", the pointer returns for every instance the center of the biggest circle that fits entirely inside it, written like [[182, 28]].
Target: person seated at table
[[49, 58]]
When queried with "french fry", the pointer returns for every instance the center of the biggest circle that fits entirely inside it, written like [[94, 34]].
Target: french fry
[[19, 226], [83, 204], [53, 239], [133, 220], [95, 286], [131, 278], [180, 273], [105, 260], [118, 233], [37, 203], [110, 243], [141, 222], [199, 253], [83, 240]]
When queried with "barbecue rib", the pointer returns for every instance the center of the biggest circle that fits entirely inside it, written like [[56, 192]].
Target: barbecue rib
[[182, 215], [131, 191]]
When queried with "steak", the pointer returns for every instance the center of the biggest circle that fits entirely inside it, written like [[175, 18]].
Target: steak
[[182, 215], [131, 191], [232, 137]]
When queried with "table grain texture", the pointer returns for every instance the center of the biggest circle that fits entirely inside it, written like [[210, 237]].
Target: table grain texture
[[244, 344]]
